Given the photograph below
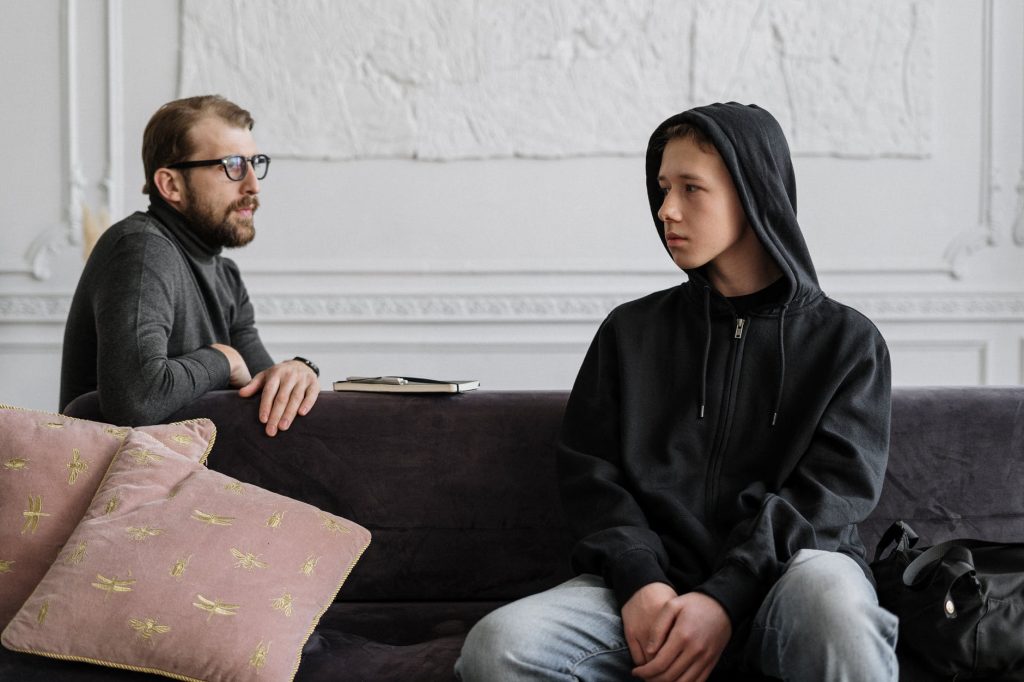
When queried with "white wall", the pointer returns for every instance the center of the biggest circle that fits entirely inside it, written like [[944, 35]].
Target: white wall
[[457, 187]]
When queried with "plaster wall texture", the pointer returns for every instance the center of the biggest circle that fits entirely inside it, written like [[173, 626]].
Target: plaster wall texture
[[457, 186]]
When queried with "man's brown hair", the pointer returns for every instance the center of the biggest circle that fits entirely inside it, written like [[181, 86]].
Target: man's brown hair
[[167, 137]]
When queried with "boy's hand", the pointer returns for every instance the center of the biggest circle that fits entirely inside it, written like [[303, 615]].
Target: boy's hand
[[289, 388], [691, 632], [639, 615]]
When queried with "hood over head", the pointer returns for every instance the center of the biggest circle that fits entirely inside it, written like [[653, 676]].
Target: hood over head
[[754, 149]]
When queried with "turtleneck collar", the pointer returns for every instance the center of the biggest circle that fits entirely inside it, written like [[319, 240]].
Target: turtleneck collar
[[176, 223]]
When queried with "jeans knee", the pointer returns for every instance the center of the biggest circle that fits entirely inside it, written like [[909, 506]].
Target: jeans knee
[[483, 653], [833, 594]]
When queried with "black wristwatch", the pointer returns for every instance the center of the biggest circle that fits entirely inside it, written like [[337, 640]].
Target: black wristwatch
[[308, 363]]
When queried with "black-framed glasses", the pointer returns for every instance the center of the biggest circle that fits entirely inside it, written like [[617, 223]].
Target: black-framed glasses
[[235, 167]]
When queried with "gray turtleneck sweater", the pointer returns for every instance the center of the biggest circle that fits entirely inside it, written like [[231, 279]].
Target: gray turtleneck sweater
[[151, 300]]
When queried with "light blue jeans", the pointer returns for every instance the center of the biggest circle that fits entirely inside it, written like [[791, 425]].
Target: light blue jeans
[[821, 622]]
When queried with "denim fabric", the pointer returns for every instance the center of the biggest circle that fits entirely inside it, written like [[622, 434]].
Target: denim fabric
[[821, 621]]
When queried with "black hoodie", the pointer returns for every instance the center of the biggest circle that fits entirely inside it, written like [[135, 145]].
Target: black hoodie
[[703, 452]]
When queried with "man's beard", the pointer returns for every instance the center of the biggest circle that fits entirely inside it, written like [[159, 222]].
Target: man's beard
[[220, 228]]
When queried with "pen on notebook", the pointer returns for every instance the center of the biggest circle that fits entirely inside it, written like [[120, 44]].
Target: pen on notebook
[[398, 381]]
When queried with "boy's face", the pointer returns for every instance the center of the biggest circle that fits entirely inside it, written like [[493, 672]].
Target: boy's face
[[705, 224]]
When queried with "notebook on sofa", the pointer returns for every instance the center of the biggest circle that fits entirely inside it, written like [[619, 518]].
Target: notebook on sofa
[[396, 384]]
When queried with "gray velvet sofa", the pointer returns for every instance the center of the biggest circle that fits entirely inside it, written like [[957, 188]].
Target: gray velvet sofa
[[459, 492]]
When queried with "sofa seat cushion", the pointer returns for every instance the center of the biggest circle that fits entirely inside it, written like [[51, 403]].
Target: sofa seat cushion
[[414, 641]]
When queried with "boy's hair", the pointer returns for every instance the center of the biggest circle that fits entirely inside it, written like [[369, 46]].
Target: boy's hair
[[691, 132], [167, 137]]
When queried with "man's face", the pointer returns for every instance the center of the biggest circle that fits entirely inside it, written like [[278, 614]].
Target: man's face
[[703, 219], [219, 209]]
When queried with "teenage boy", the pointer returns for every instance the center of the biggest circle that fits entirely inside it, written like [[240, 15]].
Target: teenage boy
[[721, 443]]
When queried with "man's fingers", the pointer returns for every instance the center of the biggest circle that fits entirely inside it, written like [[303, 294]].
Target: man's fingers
[[278, 405], [312, 393], [270, 387], [254, 385], [295, 397]]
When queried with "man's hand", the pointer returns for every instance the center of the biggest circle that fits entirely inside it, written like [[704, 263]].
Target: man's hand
[[289, 388], [240, 375], [686, 639]]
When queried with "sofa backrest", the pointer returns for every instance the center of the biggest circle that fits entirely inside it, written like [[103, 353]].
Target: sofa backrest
[[460, 493], [956, 465]]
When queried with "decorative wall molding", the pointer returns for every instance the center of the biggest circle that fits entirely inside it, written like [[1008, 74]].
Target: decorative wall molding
[[71, 231], [946, 350], [113, 183], [520, 307], [1018, 223], [987, 232], [34, 308]]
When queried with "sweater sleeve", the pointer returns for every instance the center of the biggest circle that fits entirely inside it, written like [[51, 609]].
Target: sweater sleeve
[[615, 540], [835, 485], [135, 297], [244, 336]]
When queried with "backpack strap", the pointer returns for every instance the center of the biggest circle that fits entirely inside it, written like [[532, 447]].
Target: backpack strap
[[950, 553], [900, 533]]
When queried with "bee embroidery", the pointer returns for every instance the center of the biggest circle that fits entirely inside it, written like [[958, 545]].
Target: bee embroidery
[[309, 565], [147, 628], [332, 525], [182, 438], [212, 519], [16, 464], [215, 607], [76, 466], [5, 565], [118, 432], [43, 610], [235, 487], [247, 560], [283, 603], [112, 504], [275, 519], [54, 425], [33, 514]]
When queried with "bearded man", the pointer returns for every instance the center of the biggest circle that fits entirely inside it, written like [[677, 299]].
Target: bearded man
[[160, 317]]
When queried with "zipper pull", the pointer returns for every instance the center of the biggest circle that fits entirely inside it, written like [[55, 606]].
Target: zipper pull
[[739, 328]]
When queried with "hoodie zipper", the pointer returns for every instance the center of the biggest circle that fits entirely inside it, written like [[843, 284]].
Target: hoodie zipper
[[725, 424]]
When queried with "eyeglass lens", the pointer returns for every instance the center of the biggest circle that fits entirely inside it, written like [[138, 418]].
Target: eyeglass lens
[[238, 166]]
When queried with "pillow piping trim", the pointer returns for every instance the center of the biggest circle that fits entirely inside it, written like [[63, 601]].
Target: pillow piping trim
[[316, 620], [202, 460]]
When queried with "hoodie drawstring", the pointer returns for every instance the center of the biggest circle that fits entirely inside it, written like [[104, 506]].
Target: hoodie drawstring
[[782, 363], [707, 351]]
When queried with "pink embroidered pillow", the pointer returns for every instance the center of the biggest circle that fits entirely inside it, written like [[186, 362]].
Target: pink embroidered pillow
[[50, 467], [185, 572]]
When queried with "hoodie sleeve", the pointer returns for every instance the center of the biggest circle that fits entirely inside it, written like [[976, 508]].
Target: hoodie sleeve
[[614, 537], [135, 300], [835, 485]]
